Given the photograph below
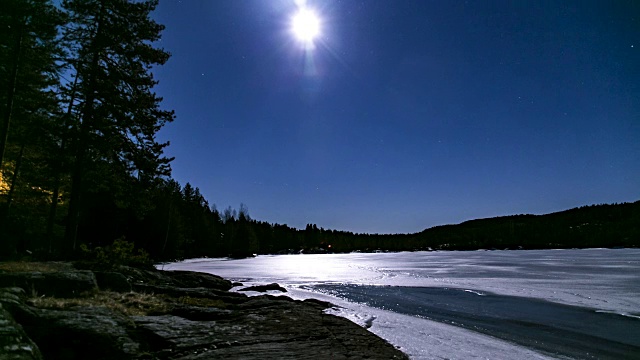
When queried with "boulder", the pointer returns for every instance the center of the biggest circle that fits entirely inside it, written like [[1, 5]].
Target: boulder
[[265, 288], [185, 279], [198, 279], [318, 303]]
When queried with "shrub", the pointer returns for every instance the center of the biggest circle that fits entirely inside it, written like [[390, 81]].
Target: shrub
[[121, 252]]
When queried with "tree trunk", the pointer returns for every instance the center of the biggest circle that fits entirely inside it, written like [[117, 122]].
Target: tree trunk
[[57, 169], [166, 235], [71, 231]]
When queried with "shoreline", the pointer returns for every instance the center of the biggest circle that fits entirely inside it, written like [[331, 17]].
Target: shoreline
[[129, 313], [598, 279]]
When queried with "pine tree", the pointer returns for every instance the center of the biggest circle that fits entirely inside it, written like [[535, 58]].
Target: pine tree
[[116, 115], [245, 241], [29, 50]]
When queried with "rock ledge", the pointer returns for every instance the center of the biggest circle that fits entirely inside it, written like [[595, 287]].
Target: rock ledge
[[129, 313]]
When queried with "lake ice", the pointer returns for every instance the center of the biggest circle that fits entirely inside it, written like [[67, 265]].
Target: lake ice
[[423, 302]]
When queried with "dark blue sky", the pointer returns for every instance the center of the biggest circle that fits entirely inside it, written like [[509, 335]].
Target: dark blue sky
[[406, 114]]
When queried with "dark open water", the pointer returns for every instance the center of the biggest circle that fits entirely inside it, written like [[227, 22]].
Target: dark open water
[[556, 329]]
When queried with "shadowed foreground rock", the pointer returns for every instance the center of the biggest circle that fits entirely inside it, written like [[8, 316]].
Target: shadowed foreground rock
[[14, 342], [62, 283], [189, 316]]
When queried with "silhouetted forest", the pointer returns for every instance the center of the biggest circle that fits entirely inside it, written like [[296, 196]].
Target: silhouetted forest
[[81, 167]]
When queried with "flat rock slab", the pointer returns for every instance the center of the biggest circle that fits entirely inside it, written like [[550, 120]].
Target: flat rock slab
[[228, 297], [14, 342], [283, 330], [82, 333], [198, 319], [60, 284]]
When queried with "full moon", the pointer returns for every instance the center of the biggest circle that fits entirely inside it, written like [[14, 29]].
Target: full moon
[[305, 25]]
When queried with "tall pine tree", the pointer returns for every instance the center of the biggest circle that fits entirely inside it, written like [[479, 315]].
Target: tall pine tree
[[115, 113], [29, 51]]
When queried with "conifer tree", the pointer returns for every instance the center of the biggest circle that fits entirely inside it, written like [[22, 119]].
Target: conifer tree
[[29, 51], [115, 113]]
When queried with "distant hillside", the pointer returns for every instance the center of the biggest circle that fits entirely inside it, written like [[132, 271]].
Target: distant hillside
[[616, 225]]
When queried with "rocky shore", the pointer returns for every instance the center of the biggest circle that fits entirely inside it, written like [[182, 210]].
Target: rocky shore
[[57, 311]]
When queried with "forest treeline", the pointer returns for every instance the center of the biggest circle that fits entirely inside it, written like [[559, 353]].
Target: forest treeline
[[81, 166]]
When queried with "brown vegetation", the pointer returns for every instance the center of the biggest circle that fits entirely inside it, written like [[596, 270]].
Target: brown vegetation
[[26, 266], [130, 304]]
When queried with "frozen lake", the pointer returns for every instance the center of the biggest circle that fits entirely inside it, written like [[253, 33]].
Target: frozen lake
[[476, 304]]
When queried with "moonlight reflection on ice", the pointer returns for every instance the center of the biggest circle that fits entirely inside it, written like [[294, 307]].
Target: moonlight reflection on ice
[[602, 279]]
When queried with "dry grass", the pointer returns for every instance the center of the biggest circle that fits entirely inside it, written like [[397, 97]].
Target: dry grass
[[27, 266], [130, 304], [202, 302]]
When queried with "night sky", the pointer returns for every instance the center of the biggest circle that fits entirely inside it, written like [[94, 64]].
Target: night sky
[[403, 115]]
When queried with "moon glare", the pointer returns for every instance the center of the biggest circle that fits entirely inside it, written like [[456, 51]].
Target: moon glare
[[305, 25]]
